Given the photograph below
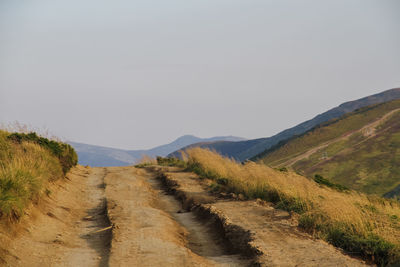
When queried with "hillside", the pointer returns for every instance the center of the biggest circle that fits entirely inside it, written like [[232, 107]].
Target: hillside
[[98, 156], [358, 223], [28, 163], [247, 149], [359, 150]]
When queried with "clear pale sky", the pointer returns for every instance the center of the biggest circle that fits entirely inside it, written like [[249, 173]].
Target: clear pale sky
[[136, 74]]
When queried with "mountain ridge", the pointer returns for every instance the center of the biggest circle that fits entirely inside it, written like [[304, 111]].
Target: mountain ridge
[[359, 150], [100, 156], [243, 150]]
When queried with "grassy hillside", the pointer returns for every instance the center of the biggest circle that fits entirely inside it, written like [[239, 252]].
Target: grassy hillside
[[244, 150], [360, 150], [27, 163], [358, 223]]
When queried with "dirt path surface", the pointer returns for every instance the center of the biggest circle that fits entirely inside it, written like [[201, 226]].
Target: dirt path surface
[[61, 230], [124, 216], [151, 229]]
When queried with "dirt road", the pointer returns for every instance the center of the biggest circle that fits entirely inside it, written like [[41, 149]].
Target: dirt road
[[153, 230], [124, 216], [62, 229]]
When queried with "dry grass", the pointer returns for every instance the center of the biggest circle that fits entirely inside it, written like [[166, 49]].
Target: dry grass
[[24, 171], [146, 161], [324, 211]]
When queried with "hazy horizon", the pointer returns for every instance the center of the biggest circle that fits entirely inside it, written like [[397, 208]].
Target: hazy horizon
[[138, 74]]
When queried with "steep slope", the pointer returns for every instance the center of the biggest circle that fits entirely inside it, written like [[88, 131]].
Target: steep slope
[[247, 149], [360, 150], [98, 156]]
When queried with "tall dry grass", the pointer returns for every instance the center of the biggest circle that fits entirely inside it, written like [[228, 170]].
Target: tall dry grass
[[25, 169], [352, 220]]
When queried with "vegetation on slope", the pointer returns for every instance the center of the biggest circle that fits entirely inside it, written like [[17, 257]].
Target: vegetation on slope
[[27, 163], [346, 151], [248, 149], [360, 224]]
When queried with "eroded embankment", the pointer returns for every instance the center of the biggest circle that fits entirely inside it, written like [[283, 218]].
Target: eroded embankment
[[151, 228], [194, 199], [67, 228], [254, 228]]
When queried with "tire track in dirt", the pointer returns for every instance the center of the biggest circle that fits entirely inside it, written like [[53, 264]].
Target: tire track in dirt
[[94, 227], [151, 228]]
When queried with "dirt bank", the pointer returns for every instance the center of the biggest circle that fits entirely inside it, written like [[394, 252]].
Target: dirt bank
[[255, 228], [62, 229], [159, 217]]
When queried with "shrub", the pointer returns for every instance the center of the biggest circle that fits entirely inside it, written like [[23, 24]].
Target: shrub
[[321, 180], [171, 162]]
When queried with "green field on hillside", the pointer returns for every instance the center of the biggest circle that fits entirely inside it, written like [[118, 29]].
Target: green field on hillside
[[365, 159]]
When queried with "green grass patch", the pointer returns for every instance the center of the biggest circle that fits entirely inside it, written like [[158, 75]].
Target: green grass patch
[[321, 180], [171, 162], [143, 165], [368, 246]]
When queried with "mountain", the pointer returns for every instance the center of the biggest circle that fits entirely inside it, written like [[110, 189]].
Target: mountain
[[247, 149], [98, 156], [360, 150]]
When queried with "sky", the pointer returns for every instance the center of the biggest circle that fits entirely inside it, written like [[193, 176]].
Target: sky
[[137, 74]]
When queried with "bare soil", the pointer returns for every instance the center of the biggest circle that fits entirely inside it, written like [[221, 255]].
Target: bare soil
[[124, 216], [255, 228], [62, 229], [151, 229]]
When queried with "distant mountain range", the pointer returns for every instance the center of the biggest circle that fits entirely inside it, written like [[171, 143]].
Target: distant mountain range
[[98, 156], [360, 150], [248, 149]]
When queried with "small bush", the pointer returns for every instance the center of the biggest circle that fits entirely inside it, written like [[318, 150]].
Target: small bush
[[321, 180], [171, 162], [222, 181], [283, 169], [215, 188], [292, 204]]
